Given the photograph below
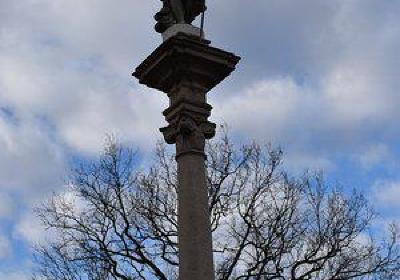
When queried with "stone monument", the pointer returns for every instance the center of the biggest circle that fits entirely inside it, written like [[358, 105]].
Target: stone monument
[[186, 67]]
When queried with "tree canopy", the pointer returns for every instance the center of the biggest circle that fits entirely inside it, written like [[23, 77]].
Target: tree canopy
[[117, 221]]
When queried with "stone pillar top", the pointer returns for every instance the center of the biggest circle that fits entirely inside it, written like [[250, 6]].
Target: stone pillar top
[[188, 58]]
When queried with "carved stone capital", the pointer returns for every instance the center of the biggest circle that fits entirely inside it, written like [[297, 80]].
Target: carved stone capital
[[188, 134]]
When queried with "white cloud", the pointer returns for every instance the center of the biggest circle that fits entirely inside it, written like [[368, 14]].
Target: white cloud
[[31, 162], [29, 226], [70, 199], [373, 155], [387, 195], [6, 250], [297, 162], [346, 51], [271, 108], [363, 239], [6, 206], [76, 73], [30, 229], [13, 276], [347, 111], [354, 95], [345, 102]]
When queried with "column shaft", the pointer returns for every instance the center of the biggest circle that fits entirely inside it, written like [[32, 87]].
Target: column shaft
[[195, 240]]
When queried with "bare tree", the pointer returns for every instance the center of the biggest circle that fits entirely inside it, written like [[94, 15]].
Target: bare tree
[[116, 222]]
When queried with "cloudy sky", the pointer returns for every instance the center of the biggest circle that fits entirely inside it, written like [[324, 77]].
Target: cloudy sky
[[320, 78]]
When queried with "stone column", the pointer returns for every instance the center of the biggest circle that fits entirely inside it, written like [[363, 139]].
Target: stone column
[[195, 242], [186, 67]]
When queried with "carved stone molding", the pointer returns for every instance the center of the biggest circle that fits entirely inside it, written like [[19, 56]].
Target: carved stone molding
[[185, 57], [188, 134]]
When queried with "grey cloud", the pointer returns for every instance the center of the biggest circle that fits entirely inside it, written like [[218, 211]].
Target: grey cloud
[[335, 64], [6, 249], [31, 162], [70, 61], [7, 205]]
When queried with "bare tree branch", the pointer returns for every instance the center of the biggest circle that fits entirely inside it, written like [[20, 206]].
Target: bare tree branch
[[114, 221]]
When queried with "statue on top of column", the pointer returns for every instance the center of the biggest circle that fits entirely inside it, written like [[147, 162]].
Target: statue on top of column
[[178, 11]]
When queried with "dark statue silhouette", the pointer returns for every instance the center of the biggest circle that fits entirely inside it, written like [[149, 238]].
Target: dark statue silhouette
[[178, 11]]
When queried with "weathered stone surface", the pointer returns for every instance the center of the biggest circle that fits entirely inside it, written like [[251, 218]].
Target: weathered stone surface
[[182, 28], [186, 68], [195, 239], [185, 58]]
